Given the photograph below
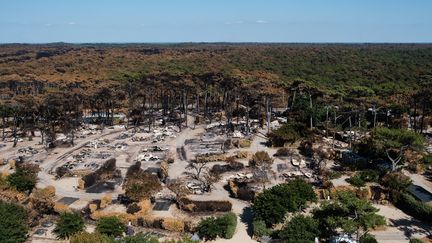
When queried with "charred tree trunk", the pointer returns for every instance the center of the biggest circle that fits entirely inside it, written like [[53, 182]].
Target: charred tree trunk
[[185, 107], [3, 128], [422, 117], [415, 115], [14, 131], [205, 100], [311, 107], [268, 111]]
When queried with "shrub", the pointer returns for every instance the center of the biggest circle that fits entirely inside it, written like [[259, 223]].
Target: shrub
[[184, 239], [272, 204], [411, 206], [23, 179], [300, 229], [260, 158], [283, 152], [210, 228], [415, 241], [85, 237], [231, 224], [361, 177], [133, 208], [306, 148], [368, 238], [288, 133], [140, 238], [260, 229], [356, 181], [13, 223], [223, 226], [396, 181], [232, 166], [204, 206], [111, 226], [242, 143], [141, 185], [427, 160], [331, 174], [42, 200], [369, 175], [173, 225], [68, 224]]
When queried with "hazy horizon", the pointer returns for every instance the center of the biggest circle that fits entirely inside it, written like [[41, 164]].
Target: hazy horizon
[[216, 43], [194, 21]]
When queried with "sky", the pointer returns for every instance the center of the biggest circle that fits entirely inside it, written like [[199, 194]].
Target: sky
[[85, 21]]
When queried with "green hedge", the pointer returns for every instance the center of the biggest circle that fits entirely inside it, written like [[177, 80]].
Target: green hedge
[[415, 241], [368, 238], [260, 228], [231, 225], [223, 226], [417, 209]]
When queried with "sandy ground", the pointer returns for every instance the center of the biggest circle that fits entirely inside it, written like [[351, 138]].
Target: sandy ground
[[420, 180], [400, 226]]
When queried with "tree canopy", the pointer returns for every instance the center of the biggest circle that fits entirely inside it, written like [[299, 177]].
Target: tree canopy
[[69, 224], [349, 213], [111, 226], [272, 204], [301, 229], [13, 223]]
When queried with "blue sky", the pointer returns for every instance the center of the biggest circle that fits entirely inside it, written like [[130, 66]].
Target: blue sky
[[40, 21]]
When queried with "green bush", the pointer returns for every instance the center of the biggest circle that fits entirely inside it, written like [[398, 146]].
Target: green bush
[[356, 181], [427, 160], [85, 237], [111, 226], [272, 204], [231, 223], [362, 177], [260, 228], [210, 228], [223, 226], [396, 181], [13, 223], [184, 239], [411, 206], [300, 229], [369, 175], [23, 180], [415, 241], [331, 174], [140, 238], [288, 133], [368, 238], [68, 224]]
